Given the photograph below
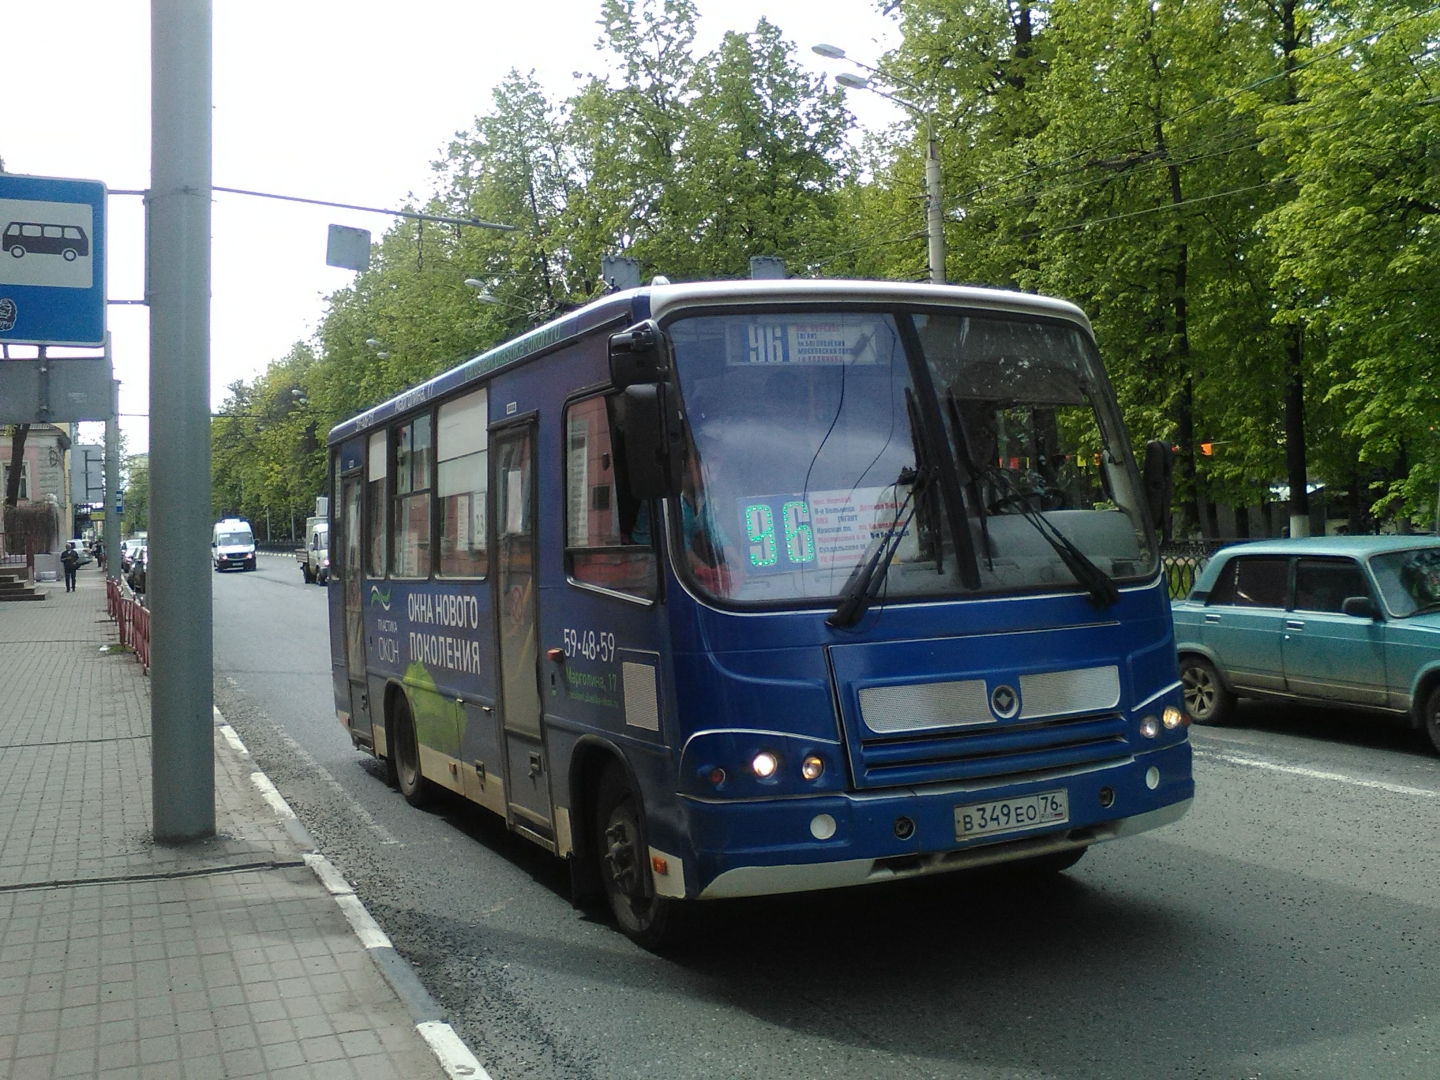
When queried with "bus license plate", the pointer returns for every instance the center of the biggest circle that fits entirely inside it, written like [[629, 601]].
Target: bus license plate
[[1007, 815]]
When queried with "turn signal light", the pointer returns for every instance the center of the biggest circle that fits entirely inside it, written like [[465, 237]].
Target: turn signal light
[[764, 764], [1173, 717], [812, 767], [1149, 727]]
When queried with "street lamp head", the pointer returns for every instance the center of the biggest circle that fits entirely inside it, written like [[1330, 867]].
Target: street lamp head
[[374, 343], [474, 283], [830, 52], [852, 82]]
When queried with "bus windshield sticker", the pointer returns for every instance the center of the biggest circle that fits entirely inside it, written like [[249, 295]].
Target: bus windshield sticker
[[826, 530], [803, 341]]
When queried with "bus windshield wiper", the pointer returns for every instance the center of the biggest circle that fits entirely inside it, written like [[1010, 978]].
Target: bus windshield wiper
[[865, 582], [1096, 582], [969, 478]]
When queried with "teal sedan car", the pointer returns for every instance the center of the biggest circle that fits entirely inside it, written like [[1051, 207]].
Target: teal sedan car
[[1345, 620]]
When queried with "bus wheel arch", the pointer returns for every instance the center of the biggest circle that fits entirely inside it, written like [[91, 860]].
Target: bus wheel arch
[[618, 826], [589, 761], [387, 711], [402, 744]]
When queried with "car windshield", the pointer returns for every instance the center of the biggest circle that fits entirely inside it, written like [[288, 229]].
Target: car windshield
[[234, 539], [809, 440], [1409, 580]]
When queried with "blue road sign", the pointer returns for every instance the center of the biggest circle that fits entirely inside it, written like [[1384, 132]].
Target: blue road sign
[[52, 260]]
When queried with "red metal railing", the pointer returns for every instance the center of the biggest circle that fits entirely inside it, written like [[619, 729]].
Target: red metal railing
[[133, 620]]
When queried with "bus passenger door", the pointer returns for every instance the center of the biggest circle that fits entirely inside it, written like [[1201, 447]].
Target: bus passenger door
[[527, 782], [353, 588]]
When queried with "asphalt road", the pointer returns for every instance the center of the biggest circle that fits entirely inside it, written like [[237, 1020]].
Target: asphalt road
[[1288, 927]]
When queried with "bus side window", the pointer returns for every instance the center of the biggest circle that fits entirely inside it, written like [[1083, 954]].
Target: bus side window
[[599, 548], [375, 507], [461, 485], [410, 543]]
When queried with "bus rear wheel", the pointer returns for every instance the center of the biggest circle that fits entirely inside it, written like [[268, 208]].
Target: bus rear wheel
[[405, 755], [652, 922]]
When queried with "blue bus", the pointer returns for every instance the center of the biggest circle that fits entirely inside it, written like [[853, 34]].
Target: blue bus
[[740, 588]]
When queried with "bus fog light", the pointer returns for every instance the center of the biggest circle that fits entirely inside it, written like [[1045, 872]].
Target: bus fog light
[[765, 764], [811, 768], [1152, 778], [1172, 717], [1149, 727], [822, 826]]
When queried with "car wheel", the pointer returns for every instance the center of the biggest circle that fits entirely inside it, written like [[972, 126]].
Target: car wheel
[[405, 752], [1432, 718], [324, 577], [652, 922], [305, 573], [1206, 698]]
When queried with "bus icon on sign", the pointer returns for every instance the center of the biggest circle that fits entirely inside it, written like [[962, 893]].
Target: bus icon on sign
[[35, 238]]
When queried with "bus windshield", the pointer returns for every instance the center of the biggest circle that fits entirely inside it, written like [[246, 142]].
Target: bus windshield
[[819, 439]]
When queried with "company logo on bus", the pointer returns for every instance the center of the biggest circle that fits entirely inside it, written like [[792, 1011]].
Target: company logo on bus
[[1004, 701]]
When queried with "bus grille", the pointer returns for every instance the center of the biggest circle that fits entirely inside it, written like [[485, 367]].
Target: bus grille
[[994, 753]]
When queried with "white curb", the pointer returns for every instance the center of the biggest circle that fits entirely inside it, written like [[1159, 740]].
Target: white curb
[[449, 1050]]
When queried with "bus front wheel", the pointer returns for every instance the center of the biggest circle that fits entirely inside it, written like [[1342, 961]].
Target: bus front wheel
[[652, 922], [405, 753]]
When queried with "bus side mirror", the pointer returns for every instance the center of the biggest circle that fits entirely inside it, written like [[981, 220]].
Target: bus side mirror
[[645, 431], [640, 354], [1159, 466]]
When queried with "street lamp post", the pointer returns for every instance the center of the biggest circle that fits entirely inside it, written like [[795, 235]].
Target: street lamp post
[[934, 190]]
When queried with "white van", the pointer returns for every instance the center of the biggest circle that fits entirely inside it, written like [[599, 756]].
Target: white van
[[233, 545]]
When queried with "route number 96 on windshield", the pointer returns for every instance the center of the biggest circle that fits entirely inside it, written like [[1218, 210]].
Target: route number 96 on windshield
[[826, 530], [1007, 815]]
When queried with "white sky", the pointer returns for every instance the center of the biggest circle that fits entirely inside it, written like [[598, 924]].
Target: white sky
[[346, 100]]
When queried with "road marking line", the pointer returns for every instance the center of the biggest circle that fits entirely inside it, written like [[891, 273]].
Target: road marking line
[[455, 1057], [1315, 774]]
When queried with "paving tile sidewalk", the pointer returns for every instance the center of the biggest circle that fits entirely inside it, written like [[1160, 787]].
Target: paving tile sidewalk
[[123, 958]]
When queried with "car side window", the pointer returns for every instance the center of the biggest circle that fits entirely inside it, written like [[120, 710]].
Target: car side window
[[1253, 581], [1325, 584]]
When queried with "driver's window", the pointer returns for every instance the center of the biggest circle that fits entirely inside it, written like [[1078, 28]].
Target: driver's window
[[608, 538]]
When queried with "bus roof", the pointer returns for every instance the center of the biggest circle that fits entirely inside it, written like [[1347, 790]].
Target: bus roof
[[655, 301]]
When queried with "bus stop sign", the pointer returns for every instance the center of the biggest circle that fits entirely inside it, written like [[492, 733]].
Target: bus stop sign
[[52, 261]]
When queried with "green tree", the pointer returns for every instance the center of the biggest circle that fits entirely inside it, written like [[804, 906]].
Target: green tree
[[1361, 138]]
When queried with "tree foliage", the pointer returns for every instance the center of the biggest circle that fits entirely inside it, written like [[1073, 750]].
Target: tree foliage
[[1240, 193]]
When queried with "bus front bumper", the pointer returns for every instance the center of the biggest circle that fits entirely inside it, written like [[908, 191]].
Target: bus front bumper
[[865, 848]]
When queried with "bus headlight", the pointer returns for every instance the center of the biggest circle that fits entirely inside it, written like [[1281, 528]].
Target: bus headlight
[[1149, 727], [764, 764], [812, 767], [1172, 717]]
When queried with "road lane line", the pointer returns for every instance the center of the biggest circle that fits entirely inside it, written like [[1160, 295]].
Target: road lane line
[[1314, 774]]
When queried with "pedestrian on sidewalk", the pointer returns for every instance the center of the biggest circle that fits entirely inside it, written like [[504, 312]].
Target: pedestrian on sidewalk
[[70, 560]]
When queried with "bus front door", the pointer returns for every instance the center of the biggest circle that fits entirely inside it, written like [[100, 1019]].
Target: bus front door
[[527, 782], [352, 585]]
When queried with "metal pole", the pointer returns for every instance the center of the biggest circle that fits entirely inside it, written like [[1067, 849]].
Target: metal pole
[[110, 526], [178, 289], [934, 205]]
